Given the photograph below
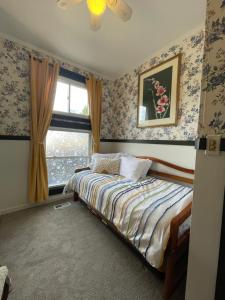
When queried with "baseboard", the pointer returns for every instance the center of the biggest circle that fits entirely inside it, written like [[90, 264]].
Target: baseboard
[[29, 205]]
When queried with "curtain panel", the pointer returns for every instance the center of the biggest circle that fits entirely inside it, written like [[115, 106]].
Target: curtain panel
[[43, 86], [94, 88]]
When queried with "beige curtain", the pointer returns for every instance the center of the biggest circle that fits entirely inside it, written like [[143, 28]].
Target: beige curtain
[[43, 86], [94, 88]]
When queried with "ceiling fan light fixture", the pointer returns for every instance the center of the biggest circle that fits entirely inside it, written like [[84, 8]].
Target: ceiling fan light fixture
[[96, 7]]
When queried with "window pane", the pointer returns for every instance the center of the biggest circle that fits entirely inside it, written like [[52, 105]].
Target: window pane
[[61, 169], [67, 143], [62, 97], [65, 151], [78, 100]]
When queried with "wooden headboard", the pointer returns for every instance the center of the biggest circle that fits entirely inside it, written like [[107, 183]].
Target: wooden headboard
[[171, 166]]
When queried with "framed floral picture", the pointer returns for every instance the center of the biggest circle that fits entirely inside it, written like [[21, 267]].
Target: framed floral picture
[[159, 94]]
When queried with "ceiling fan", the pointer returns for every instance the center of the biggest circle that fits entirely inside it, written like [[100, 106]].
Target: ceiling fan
[[98, 7]]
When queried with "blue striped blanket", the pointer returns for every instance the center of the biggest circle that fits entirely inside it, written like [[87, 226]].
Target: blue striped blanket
[[142, 211]]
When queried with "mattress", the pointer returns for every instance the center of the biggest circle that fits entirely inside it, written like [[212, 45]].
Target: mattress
[[142, 211]]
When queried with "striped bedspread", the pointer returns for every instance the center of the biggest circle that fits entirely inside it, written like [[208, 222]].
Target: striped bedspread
[[141, 211]]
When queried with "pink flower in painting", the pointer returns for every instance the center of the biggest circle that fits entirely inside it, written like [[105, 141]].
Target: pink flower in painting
[[160, 109], [164, 100], [156, 85], [160, 90]]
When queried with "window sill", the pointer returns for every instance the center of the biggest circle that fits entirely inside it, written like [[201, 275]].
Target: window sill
[[72, 122], [69, 114], [55, 190]]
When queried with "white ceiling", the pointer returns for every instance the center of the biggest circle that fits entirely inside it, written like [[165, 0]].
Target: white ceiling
[[113, 50]]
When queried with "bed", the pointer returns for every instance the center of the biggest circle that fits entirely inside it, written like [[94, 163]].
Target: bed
[[152, 215]]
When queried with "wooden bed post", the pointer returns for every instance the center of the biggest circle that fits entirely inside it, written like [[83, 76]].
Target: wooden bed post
[[176, 265], [169, 277], [75, 197]]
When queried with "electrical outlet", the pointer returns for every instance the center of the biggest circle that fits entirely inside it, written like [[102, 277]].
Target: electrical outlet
[[213, 144]]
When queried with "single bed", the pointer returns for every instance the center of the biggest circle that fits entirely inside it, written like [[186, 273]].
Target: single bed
[[152, 215]]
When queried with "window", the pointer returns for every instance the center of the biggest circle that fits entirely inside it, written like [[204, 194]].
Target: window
[[71, 97], [65, 150], [69, 137]]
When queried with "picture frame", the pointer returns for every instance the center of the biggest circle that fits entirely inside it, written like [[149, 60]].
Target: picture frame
[[158, 94]]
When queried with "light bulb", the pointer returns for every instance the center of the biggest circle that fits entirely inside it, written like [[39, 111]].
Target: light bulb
[[96, 7]]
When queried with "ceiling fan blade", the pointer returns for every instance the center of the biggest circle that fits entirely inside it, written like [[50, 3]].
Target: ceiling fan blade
[[64, 4], [95, 22], [75, 1], [120, 8]]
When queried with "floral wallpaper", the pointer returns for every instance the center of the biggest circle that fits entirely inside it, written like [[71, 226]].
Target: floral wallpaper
[[119, 103], [119, 118], [14, 89], [212, 112], [15, 86]]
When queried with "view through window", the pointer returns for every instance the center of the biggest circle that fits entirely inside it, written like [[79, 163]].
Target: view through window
[[71, 98], [67, 149]]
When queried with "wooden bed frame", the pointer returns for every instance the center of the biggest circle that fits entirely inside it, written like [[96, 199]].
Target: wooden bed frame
[[6, 289], [175, 262]]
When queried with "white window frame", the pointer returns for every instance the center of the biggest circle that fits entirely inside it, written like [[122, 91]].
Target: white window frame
[[75, 83]]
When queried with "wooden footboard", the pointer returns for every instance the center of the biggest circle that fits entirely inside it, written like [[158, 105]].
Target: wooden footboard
[[177, 252], [5, 293]]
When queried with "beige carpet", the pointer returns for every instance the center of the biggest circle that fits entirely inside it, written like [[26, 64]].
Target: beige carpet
[[69, 254]]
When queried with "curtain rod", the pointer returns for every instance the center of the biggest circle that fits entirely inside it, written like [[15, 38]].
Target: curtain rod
[[41, 59], [38, 59]]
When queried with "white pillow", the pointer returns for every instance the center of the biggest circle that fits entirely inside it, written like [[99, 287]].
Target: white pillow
[[96, 156], [134, 168]]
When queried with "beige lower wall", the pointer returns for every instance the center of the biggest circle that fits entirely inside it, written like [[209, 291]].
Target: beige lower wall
[[14, 167], [14, 175], [181, 155], [206, 226]]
